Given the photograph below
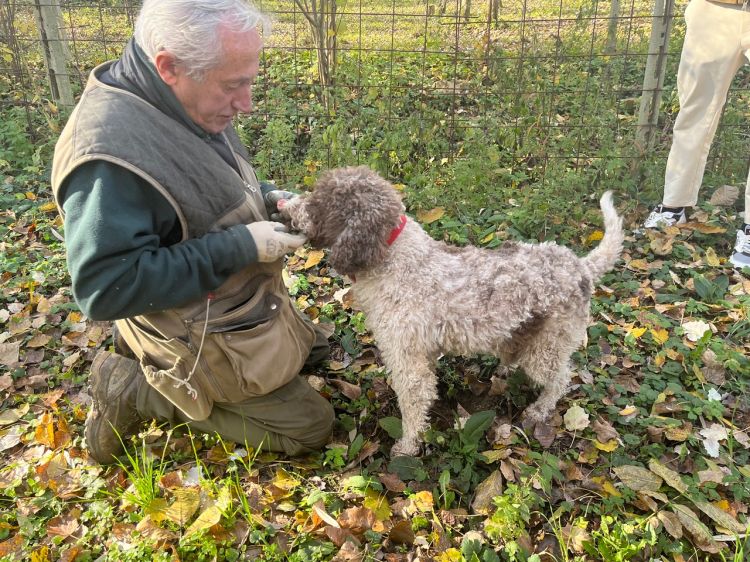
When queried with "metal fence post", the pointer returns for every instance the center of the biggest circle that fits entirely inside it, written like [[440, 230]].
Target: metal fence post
[[54, 46], [653, 79]]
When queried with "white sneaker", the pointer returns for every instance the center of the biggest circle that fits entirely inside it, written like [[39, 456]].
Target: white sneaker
[[660, 217], [741, 256]]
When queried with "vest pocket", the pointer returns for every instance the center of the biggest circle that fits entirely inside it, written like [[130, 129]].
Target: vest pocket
[[167, 363], [264, 357]]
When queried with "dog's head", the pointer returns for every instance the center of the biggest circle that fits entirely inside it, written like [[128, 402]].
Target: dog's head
[[351, 211]]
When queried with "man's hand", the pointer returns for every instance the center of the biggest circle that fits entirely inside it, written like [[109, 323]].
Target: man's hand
[[272, 240], [272, 199]]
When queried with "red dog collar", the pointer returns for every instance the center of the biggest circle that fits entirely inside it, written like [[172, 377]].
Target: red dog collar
[[396, 231]]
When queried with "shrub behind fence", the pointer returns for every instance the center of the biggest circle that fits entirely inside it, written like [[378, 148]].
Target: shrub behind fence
[[510, 97]]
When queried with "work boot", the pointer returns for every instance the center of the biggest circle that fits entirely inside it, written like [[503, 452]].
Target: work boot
[[113, 415]]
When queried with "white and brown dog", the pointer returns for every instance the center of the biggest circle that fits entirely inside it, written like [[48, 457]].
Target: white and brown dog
[[527, 304]]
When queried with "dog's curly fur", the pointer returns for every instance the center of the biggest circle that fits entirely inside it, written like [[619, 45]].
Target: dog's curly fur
[[526, 304]]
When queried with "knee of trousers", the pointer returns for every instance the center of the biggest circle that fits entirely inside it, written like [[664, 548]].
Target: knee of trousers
[[321, 426]]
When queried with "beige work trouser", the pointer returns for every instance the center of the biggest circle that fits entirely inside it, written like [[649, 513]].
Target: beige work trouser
[[717, 44]]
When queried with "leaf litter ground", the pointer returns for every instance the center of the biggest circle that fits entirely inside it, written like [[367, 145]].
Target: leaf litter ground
[[647, 455]]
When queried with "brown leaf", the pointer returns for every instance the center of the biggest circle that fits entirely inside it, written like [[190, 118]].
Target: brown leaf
[[11, 546], [367, 450], [426, 217], [671, 523], [340, 536], [498, 386], [71, 554], [492, 486], [698, 531], [357, 519], [638, 478], [713, 369], [402, 533], [702, 227], [725, 196], [392, 482], [6, 382], [545, 434], [9, 353], [349, 552], [63, 526], [604, 430], [351, 391]]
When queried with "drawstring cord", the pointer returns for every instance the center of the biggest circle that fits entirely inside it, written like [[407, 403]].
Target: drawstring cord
[[192, 392]]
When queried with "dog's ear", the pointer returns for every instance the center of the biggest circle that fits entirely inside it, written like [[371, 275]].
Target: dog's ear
[[359, 246]]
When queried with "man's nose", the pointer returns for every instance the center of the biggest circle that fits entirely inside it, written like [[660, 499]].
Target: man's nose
[[243, 101]]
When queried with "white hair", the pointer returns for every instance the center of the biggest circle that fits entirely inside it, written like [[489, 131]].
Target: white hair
[[189, 29]]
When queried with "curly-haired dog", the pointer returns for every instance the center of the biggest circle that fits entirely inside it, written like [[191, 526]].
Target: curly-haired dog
[[527, 304]]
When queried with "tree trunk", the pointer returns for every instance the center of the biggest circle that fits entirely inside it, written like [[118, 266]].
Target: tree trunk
[[322, 15]]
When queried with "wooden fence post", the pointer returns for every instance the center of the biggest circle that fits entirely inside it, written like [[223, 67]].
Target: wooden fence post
[[653, 78], [55, 49]]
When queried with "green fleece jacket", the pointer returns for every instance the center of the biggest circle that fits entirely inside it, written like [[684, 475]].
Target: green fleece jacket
[[124, 256], [122, 236]]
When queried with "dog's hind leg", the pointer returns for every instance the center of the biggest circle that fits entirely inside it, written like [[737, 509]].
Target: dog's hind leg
[[415, 383], [546, 361]]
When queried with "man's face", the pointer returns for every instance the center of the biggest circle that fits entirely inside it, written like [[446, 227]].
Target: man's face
[[226, 89]]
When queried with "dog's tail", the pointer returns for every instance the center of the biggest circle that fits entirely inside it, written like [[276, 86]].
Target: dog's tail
[[603, 258]]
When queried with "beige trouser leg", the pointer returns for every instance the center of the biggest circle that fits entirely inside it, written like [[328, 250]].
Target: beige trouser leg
[[717, 44], [293, 419]]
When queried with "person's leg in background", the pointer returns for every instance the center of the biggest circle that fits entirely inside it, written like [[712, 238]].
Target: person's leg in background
[[711, 56]]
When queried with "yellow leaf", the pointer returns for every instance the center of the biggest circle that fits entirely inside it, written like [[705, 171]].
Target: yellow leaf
[[45, 431], [41, 555], [399, 186], [206, 520], [636, 332], [31, 195], [487, 238], [426, 217], [659, 360], [640, 264], [378, 504], [594, 236], [450, 555], [628, 410], [313, 258], [284, 480], [607, 486], [48, 207], [699, 374], [608, 447], [184, 507], [660, 335], [711, 258], [423, 500], [680, 433]]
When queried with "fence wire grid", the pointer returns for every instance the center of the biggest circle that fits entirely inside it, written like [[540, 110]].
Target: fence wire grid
[[551, 85]]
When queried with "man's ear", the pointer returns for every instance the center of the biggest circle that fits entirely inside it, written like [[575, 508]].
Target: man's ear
[[166, 65]]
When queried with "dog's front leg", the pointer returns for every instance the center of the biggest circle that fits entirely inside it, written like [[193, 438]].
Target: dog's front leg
[[415, 384]]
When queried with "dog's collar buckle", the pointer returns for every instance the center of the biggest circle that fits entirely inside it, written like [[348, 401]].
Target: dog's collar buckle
[[396, 231]]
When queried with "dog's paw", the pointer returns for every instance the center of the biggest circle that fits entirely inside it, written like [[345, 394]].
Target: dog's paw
[[405, 449], [532, 417]]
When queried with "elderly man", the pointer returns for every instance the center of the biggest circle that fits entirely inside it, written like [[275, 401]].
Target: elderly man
[[168, 233]]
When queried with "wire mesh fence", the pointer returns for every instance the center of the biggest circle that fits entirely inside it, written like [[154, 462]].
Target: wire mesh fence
[[509, 92]]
